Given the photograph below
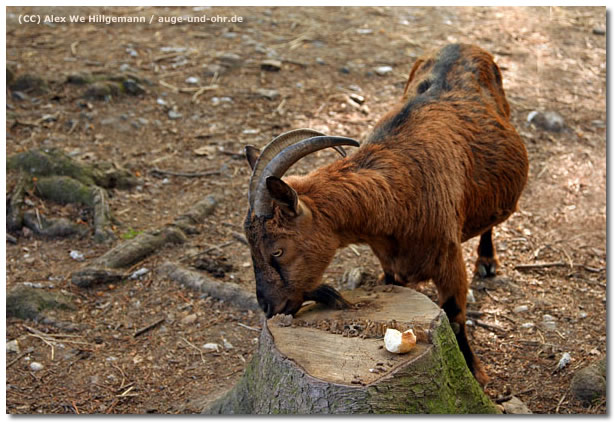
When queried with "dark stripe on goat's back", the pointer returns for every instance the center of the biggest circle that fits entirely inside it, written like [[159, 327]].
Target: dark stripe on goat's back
[[434, 82]]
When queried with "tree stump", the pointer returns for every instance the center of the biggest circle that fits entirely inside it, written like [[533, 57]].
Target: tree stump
[[327, 361]]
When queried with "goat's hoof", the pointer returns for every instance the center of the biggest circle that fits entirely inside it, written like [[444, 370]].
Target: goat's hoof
[[486, 267]]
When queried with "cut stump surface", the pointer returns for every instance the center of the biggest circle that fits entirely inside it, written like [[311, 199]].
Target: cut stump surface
[[334, 361]]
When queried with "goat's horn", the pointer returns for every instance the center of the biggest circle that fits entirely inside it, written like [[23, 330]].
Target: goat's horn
[[272, 149], [263, 205]]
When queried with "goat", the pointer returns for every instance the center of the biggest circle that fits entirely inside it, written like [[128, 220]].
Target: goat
[[444, 165]]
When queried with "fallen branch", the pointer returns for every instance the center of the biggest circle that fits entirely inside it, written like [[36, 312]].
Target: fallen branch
[[228, 292], [127, 253], [148, 327], [184, 174], [529, 266], [488, 326]]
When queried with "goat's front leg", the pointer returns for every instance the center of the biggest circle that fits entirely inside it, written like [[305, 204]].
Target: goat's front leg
[[487, 262], [452, 285], [386, 251]]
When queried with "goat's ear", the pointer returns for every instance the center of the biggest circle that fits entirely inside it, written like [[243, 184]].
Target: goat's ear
[[283, 195], [252, 154]]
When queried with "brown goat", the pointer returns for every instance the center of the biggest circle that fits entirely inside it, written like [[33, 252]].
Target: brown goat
[[444, 165]]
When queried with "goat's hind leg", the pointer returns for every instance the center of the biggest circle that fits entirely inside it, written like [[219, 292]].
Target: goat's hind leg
[[452, 286], [487, 262]]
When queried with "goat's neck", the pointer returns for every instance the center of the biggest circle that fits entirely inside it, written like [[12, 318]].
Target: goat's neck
[[356, 205]]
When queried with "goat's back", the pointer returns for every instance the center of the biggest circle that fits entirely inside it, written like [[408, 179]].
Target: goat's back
[[451, 131]]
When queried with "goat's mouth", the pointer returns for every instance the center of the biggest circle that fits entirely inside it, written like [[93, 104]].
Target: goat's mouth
[[324, 294]]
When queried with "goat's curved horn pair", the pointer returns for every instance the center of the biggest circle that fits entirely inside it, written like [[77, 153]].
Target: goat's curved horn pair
[[279, 155]]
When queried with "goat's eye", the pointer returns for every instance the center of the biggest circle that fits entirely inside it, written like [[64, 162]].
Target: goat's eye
[[277, 253]]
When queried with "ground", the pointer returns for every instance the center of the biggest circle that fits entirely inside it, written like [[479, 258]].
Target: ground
[[552, 59]]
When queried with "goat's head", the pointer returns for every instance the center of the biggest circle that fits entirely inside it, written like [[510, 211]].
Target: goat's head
[[288, 254]]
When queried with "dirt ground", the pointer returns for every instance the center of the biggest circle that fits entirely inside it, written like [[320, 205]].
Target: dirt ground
[[553, 59]]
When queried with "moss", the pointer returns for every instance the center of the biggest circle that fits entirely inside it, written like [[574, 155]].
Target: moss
[[64, 190], [27, 303], [50, 162]]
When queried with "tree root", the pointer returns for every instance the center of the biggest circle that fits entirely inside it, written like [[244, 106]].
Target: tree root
[[127, 253], [228, 292]]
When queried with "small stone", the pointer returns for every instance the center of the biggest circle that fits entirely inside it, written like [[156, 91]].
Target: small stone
[[589, 383], [272, 65], [192, 80], [599, 30], [229, 58], [36, 366], [527, 325], [132, 87], [12, 347], [345, 70], [229, 35], [515, 406], [189, 319], [548, 120], [563, 361], [357, 98], [365, 31], [320, 61], [270, 94], [352, 278], [161, 101], [101, 90], [174, 115], [383, 70], [227, 345], [520, 309], [20, 96], [211, 347], [76, 255], [582, 315], [139, 273]]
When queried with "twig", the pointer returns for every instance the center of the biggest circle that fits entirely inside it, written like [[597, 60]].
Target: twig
[[354, 250], [11, 239], [490, 326], [193, 346], [185, 174], [20, 356], [148, 327], [248, 327], [528, 266], [560, 402], [218, 247], [74, 404], [210, 249], [168, 86]]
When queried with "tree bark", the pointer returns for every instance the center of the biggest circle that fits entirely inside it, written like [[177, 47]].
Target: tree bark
[[334, 362]]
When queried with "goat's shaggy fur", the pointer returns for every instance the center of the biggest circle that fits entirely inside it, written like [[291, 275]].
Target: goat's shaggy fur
[[444, 165]]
